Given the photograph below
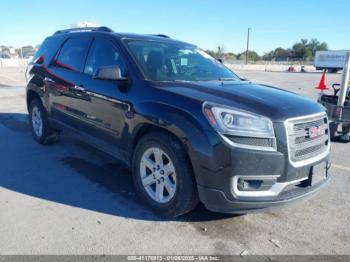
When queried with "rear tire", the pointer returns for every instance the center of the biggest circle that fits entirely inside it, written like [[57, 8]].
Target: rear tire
[[163, 175], [38, 120]]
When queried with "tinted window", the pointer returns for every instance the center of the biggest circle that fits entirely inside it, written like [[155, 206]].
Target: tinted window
[[103, 53], [72, 53], [47, 49]]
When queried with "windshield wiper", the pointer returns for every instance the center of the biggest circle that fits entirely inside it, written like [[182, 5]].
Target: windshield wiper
[[227, 79], [178, 80]]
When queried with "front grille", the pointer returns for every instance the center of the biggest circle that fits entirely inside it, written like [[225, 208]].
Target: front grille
[[254, 141], [308, 150], [302, 145]]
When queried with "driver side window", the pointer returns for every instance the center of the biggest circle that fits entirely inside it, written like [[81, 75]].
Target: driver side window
[[103, 53]]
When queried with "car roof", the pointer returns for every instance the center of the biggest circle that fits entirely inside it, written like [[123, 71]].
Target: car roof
[[106, 31]]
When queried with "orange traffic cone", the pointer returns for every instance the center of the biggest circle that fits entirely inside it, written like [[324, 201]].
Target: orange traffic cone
[[322, 85]]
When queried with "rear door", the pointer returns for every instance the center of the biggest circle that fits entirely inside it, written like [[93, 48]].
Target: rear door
[[64, 82]]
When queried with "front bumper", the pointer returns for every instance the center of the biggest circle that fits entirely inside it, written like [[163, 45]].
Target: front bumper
[[218, 171], [216, 200]]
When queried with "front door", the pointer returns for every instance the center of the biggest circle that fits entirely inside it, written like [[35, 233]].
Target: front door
[[104, 105]]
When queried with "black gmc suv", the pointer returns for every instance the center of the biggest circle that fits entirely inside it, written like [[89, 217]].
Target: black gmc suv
[[189, 128]]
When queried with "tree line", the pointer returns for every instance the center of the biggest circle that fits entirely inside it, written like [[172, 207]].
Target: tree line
[[304, 50]]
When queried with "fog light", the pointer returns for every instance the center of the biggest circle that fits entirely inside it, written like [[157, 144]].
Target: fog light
[[242, 185], [254, 184]]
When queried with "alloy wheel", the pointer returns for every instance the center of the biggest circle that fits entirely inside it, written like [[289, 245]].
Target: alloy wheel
[[37, 121], [158, 175]]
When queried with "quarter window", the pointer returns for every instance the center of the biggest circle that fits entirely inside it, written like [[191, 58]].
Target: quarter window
[[72, 53], [103, 53]]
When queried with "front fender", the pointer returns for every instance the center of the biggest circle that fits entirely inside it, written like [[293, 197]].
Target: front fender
[[178, 121], [192, 129]]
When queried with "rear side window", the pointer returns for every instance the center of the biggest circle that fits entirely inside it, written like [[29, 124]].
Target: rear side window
[[73, 53], [103, 53], [47, 49]]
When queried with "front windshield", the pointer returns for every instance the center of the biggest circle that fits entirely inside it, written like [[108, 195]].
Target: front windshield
[[161, 61]]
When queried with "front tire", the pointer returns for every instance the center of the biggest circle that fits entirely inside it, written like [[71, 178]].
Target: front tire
[[163, 175], [39, 124]]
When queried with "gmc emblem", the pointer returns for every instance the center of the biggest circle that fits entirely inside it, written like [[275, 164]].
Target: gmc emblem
[[317, 131]]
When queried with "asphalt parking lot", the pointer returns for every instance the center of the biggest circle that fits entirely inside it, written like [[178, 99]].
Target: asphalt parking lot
[[69, 198]]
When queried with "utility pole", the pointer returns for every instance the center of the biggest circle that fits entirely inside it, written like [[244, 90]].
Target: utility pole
[[246, 53], [345, 80]]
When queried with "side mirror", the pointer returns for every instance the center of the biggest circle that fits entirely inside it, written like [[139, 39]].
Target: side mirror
[[109, 73]]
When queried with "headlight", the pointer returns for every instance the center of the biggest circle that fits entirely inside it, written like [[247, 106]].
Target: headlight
[[230, 121]]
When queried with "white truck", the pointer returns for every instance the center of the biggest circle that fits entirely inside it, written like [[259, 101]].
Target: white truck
[[332, 61]]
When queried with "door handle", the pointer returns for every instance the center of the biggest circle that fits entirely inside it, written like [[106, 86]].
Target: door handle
[[79, 88], [48, 80]]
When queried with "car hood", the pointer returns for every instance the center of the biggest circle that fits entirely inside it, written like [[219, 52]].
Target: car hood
[[268, 101]]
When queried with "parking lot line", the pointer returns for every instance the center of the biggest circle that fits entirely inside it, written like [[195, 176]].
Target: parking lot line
[[341, 167]]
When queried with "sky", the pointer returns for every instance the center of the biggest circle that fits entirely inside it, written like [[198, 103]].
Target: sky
[[206, 23]]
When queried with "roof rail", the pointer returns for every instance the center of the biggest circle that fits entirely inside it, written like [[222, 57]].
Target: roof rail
[[162, 35], [84, 29]]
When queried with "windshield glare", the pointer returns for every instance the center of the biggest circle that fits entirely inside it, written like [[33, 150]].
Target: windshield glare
[[175, 62]]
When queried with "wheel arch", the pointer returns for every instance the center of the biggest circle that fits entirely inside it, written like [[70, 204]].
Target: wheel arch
[[184, 121], [31, 94], [198, 143], [147, 128]]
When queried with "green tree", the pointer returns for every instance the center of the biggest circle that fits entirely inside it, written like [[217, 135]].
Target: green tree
[[220, 53], [252, 56], [211, 52], [313, 45], [307, 49], [303, 50], [230, 55], [322, 47]]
